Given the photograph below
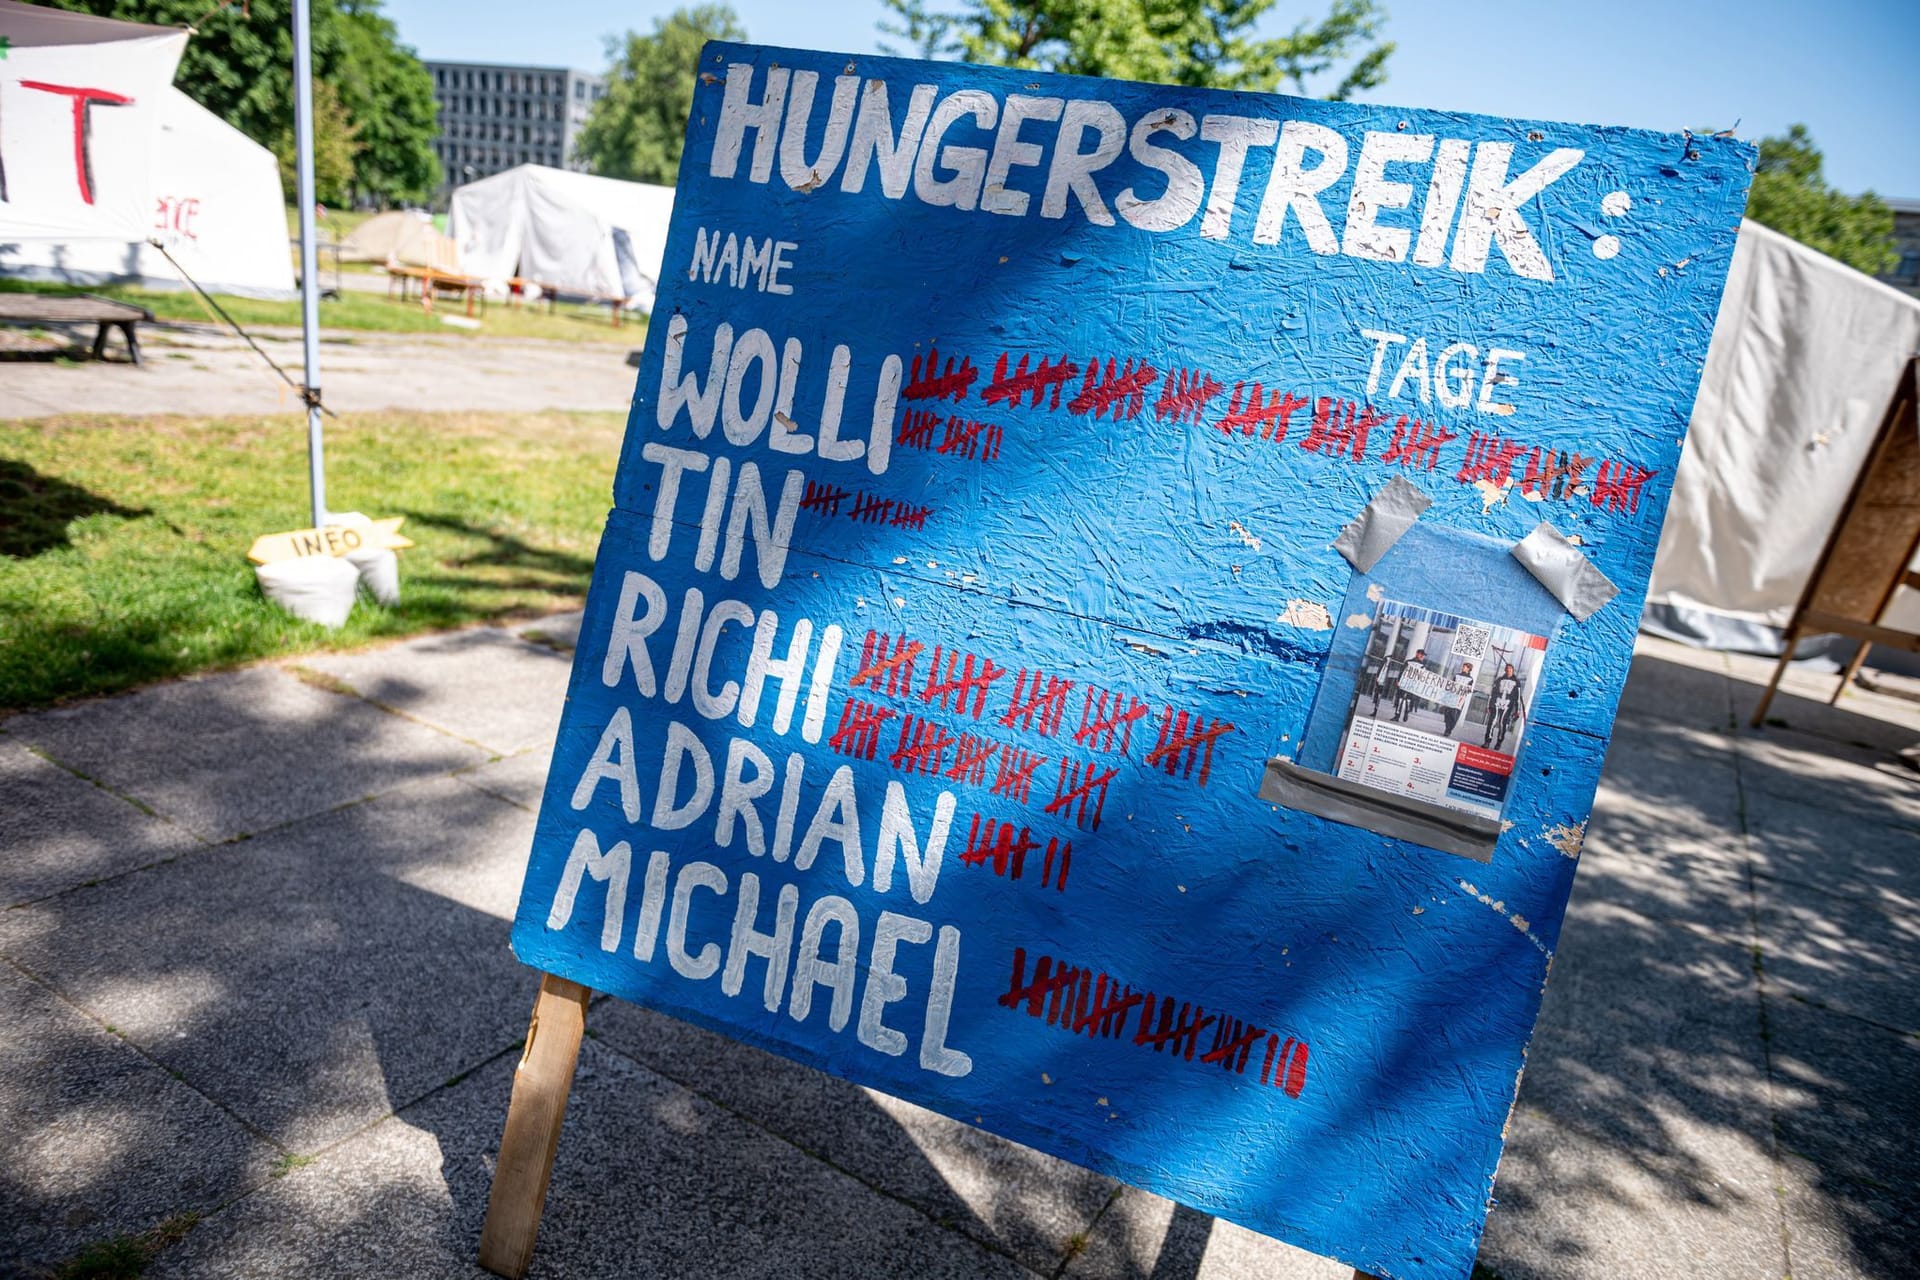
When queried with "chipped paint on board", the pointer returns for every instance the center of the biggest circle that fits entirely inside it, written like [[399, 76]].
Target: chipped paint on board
[[1310, 615], [1567, 838]]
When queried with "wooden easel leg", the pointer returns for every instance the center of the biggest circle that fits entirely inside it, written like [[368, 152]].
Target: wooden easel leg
[[541, 1084], [1779, 669], [1853, 669]]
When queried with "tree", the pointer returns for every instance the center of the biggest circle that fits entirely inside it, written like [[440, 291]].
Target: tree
[[1200, 43], [636, 131], [335, 144], [239, 65], [388, 94], [1791, 196]]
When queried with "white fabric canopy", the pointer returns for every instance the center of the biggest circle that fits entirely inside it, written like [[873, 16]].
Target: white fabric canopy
[[1803, 360], [213, 199], [80, 99], [571, 232]]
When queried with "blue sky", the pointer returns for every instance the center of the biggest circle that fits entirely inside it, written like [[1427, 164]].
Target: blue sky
[[1845, 68]]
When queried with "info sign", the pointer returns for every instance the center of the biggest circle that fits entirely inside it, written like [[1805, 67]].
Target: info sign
[[972, 701]]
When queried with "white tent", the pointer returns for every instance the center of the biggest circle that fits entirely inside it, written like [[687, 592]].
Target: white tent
[[567, 232], [1803, 360], [401, 237], [177, 173], [80, 99]]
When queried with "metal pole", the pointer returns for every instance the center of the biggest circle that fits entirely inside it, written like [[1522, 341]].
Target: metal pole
[[309, 267]]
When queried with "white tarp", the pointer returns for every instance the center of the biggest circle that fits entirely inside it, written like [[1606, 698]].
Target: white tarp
[[80, 101], [570, 232], [1803, 360], [401, 237], [213, 199]]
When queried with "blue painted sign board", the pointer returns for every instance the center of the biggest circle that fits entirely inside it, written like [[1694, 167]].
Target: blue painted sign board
[[971, 557]]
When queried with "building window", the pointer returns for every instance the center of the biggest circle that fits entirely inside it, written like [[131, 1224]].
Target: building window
[[1908, 272], [579, 90]]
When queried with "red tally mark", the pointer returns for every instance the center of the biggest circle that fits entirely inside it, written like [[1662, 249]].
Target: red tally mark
[[970, 757], [1341, 427], [1039, 701], [859, 732], [1185, 395], [1121, 393], [1416, 444], [1013, 778], [886, 664], [1081, 1001], [1006, 847], [1617, 486], [1489, 458], [966, 438], [1552, 473], [1186, 739], [964, 677], [1266, 417], [956, 437], [823, 498], [1036, 384], [923, 383], [916, 429], [1106, 721], [1081, 793], [923, 746]]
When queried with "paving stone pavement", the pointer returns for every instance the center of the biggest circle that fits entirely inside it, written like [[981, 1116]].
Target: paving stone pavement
[[255, 970]]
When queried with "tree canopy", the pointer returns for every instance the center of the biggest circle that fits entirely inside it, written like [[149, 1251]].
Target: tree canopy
[[239, 65], [1791, 195], [1201, 43], [336, 146], [636, 131]]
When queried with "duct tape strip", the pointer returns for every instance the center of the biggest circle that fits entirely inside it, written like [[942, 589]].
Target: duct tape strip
[[1372, 533], [1437, 827], [1565, 571]]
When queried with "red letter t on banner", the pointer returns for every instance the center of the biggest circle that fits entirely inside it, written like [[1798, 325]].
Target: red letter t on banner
[[83, 100]]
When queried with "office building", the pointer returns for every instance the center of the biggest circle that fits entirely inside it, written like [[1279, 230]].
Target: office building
[[1904, 274], [493, 117]]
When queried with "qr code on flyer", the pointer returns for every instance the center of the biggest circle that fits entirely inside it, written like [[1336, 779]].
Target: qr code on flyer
[[1470, 642]]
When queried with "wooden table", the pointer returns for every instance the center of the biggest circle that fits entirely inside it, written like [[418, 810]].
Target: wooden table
[[84, 308], [431, 282]]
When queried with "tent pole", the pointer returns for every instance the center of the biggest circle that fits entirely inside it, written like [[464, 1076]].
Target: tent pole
[[309, 268]]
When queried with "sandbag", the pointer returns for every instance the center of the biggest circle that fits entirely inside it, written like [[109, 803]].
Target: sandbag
[[316, 588], [379, 574]]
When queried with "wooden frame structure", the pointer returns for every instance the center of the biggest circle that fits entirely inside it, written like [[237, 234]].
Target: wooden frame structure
[[1873, 541]]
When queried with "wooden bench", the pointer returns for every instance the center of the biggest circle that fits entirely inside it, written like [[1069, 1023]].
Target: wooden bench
[[84, 308], [552, 294]]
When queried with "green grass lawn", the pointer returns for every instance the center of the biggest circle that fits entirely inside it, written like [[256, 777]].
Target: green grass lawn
[[123, 540], [368, 311]]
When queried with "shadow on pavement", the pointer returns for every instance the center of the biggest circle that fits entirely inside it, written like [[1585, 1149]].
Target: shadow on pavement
[[231, 1029], [1686, 1044]]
